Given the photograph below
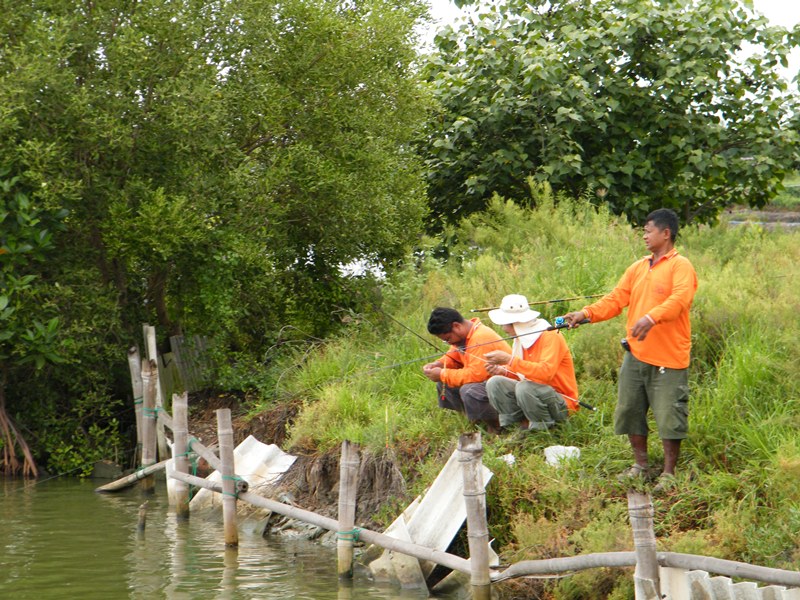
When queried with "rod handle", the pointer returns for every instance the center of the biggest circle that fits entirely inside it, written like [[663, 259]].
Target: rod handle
[[561, 325]]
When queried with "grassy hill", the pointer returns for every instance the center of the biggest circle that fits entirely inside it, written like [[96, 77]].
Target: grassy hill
[[738, 494]]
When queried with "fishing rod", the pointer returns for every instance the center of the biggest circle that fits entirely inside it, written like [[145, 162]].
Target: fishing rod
[[540, 302], [407, 328], [369, 372], [559, 325]]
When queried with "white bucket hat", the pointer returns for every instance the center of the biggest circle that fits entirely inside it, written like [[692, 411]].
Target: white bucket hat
[[513, 309]]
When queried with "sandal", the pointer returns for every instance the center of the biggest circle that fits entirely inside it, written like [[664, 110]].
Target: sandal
[[633, 472], [666, 482]]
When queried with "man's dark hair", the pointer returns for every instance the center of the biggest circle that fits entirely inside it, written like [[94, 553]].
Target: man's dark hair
[[442, 319], [665, 218]]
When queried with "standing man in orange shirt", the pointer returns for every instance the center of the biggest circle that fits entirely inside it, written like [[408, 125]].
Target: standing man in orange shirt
[[534, 384], [658, 291], [461, 374]]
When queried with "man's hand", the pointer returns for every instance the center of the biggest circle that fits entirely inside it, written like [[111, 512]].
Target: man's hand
[[642, 327], [497, 357], [433, 371], [574, 319], [493, 369]]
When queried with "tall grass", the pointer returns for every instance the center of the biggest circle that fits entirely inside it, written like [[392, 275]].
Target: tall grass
[[738, 496]]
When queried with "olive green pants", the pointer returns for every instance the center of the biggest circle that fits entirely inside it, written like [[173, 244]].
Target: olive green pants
[[516, 400]]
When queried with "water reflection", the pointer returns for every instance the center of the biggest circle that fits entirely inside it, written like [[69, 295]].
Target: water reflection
[[60, 539]]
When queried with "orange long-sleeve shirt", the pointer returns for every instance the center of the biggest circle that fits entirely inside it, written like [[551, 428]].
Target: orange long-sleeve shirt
[[664, 291], [470, 366], [549, 362]]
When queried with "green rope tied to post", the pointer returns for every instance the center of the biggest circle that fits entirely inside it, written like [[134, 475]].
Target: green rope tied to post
[[232, 478], [348, 536], [138, 400], [150, 412], [193, 460]]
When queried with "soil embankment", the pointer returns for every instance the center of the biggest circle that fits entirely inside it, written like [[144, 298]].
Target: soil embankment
[[313, 481]]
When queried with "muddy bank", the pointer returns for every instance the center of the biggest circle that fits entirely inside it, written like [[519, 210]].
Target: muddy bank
[[312, 482]]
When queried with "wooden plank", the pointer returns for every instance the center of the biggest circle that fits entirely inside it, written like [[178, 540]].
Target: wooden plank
[[191, 360]]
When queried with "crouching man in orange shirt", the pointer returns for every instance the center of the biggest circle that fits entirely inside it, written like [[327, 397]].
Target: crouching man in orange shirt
[[534, 384], [658, 291], [461, 374]]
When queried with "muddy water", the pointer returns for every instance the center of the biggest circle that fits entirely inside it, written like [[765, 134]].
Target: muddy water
[[60, 539]]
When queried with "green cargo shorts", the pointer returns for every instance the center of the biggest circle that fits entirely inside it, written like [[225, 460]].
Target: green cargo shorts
[[642, 387]]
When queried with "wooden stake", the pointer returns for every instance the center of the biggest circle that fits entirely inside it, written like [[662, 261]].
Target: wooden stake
[[229, 488], [645, 576], [348, 484], [142, 521], [470, 453], [149, 383], [152, 354], [180, 432], [135, 367]]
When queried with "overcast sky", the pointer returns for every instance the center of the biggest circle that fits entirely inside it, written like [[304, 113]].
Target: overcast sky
[[780, 12]]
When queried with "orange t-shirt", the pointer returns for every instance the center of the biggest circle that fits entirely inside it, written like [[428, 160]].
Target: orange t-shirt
[[470, 366], [664, 291], [549, 361]]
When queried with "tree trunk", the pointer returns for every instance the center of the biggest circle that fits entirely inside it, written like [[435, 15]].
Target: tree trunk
[[12, 438]]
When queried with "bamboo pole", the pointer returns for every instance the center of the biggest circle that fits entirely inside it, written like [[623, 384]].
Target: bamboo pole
[[129, 480], [348, 485], [566, 564], [149, 383], [371, 537], [689, 562], [645, 577], [228, 472], [470, 453], [730, 568], [135, 367], [180, 433], [152, 354]]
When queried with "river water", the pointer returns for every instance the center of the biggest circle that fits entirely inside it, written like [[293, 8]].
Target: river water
[[60, 539]]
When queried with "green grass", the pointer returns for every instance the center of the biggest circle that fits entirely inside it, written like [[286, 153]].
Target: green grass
[[738, 473]]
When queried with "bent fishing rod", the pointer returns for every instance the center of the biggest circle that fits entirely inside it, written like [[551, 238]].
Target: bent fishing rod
[[463, 349], [540, 302], [368, 372]]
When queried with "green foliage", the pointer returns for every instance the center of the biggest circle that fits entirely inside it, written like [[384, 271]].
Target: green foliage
[[645, 104], [27, 332], [220, 164]]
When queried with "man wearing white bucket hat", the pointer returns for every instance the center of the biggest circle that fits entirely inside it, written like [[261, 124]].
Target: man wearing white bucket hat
[[536, 382]]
